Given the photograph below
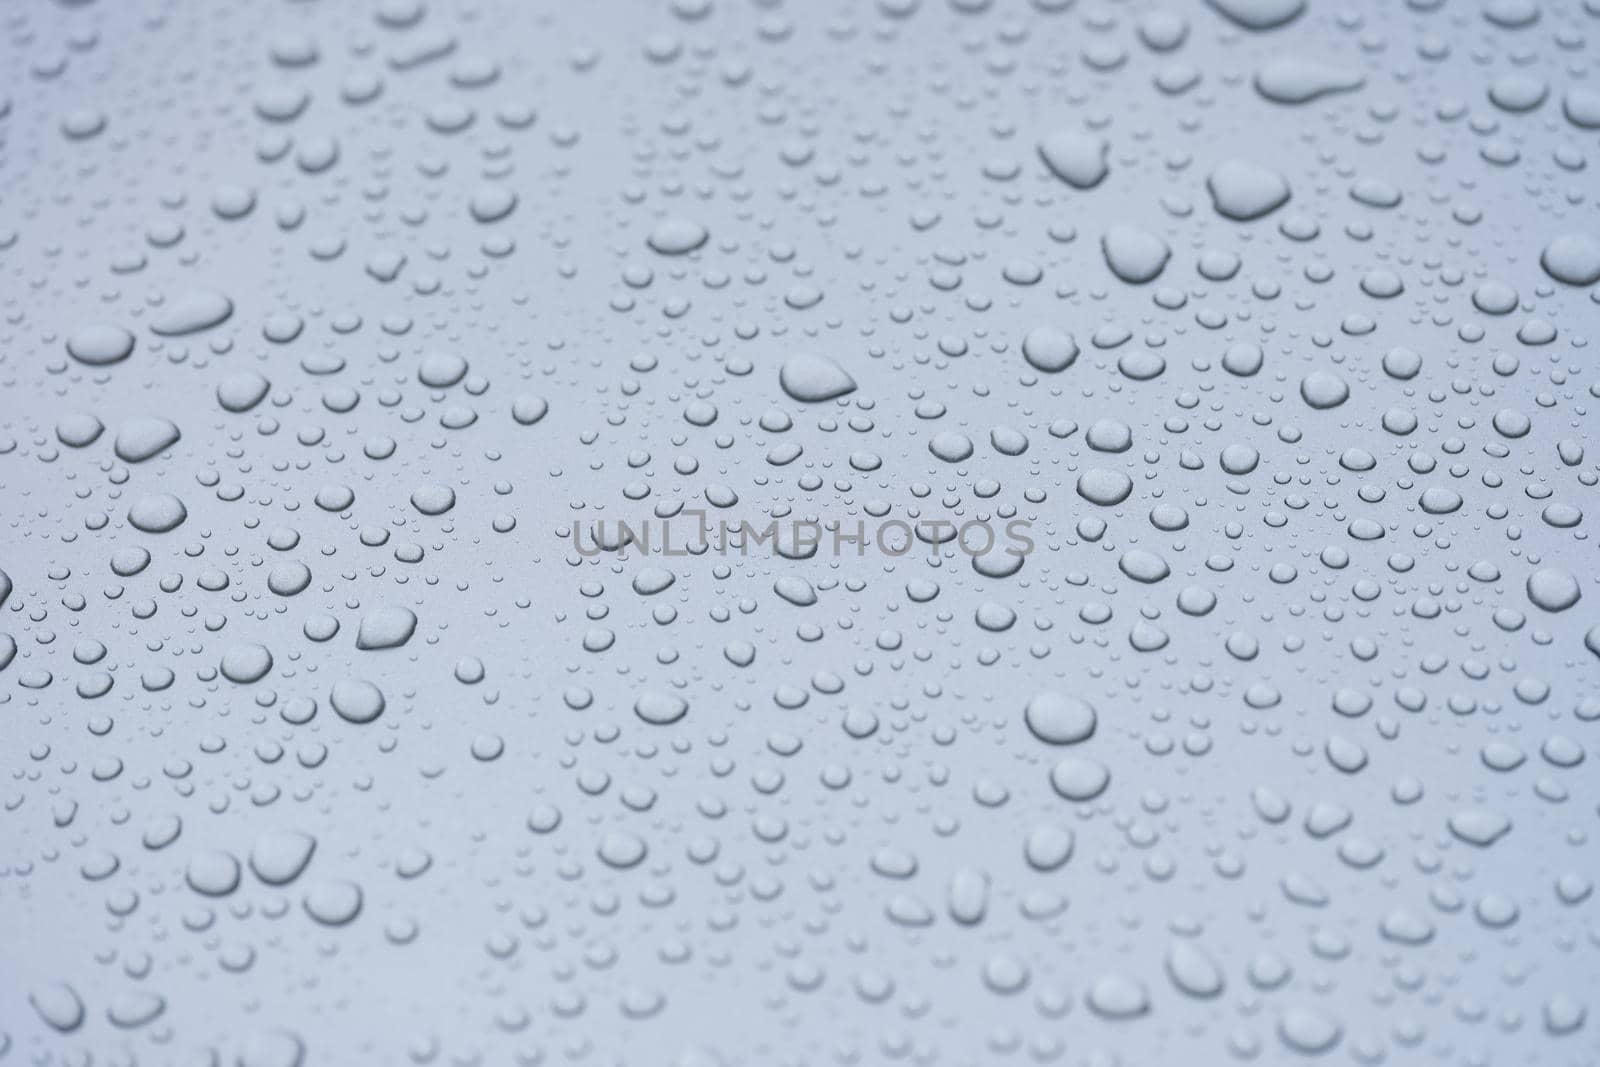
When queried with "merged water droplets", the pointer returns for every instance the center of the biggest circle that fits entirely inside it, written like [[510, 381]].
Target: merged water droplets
[[140, 439], [677, 236], [1049, 349], [1243, 191], [58, 1005], [660, 709], [812, 379], [357, 700], [191, 312], [1134, 255], [278, 857], [386, 627], [1302, 79], [1079, 159], [1572, 258], [100, 344], [213, 873], [157, 513]]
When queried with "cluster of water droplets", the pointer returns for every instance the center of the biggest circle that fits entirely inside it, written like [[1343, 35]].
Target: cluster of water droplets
[[376, 378]]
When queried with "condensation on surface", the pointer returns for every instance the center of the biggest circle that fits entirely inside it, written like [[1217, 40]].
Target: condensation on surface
[[718, 532]]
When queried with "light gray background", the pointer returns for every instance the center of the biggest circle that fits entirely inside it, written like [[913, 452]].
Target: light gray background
[[885, 159]]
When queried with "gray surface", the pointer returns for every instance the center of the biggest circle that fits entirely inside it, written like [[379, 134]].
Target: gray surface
[[1295, 845]]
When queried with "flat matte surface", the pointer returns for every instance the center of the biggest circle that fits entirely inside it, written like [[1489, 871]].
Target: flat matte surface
[[1258, 335]]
